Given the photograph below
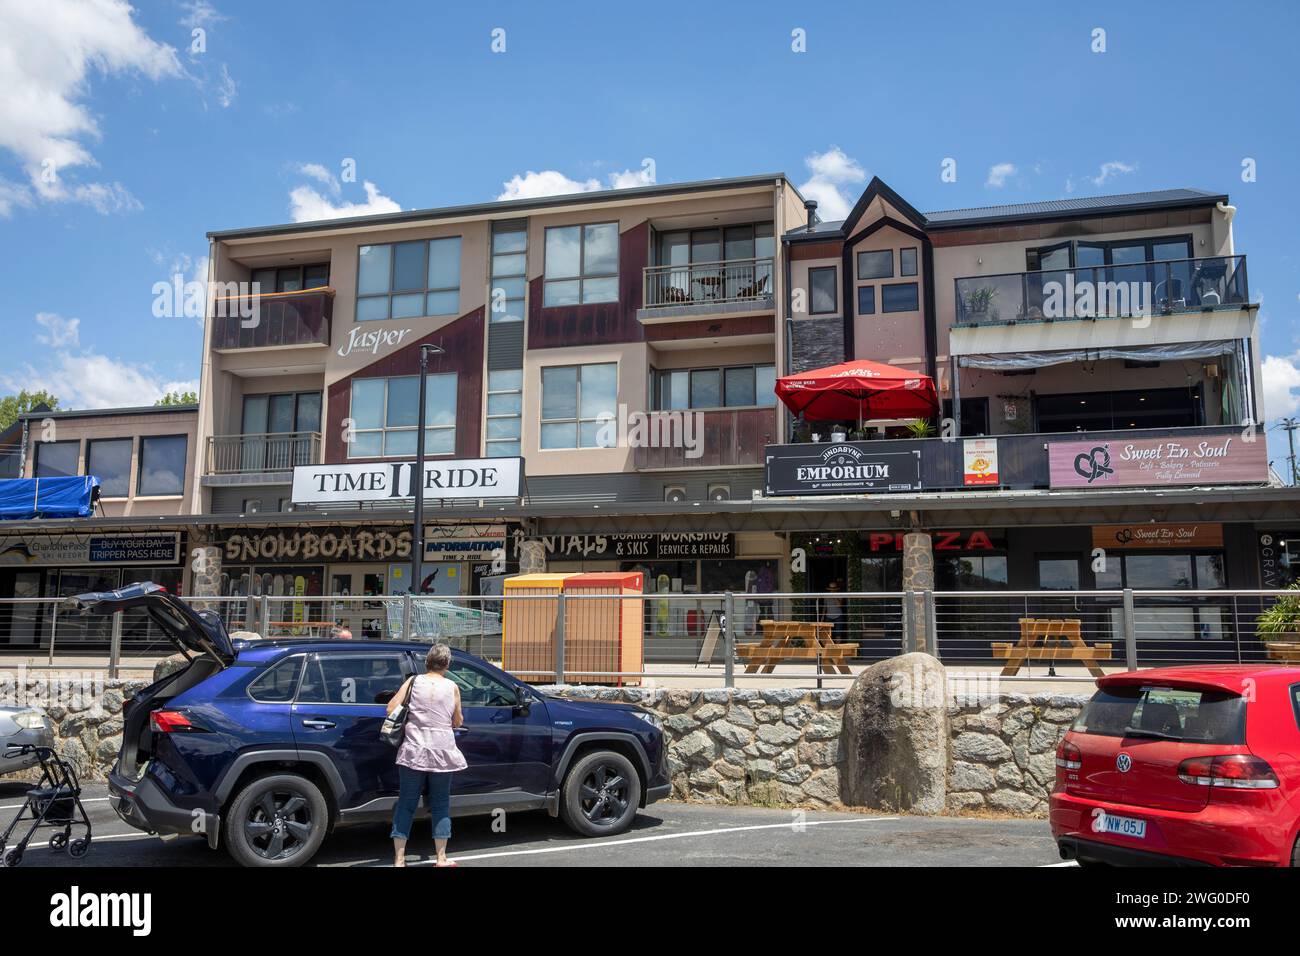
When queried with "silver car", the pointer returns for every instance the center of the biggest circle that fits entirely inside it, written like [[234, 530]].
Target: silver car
[[23, 725]]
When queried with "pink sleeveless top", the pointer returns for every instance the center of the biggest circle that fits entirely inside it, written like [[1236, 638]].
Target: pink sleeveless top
[[430, 744]]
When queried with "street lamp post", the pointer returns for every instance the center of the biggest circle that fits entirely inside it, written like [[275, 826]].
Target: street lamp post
[[417, 476]]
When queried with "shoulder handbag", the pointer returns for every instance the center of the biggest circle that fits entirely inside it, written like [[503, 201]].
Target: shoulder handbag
[[393, 729]]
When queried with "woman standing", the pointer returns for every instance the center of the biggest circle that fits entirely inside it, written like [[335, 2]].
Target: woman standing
[[428, 755]]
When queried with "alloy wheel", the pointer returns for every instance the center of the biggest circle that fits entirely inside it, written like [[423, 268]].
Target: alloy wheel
[[604, 794], [278, 824]]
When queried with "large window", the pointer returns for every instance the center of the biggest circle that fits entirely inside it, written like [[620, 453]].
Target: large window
[[1119, 252], [733, 386], [109, 460], [822, 295], [385, 416], [291, 278], [575, 399], [57, 459], [162, 465], [581, 264], [505, 403], [406, 280], [899, 297], [509, 271], [878, 264]]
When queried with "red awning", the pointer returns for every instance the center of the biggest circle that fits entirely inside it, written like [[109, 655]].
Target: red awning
[[859, 391]]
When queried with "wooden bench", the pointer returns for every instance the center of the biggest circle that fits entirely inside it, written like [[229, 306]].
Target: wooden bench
[[1283, 651], [796, 641], [1051, 639]]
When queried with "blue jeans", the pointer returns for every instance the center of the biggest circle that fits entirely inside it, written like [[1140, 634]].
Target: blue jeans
[[436, 788]]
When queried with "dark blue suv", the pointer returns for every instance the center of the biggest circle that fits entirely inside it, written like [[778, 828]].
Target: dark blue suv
[[266, 746]]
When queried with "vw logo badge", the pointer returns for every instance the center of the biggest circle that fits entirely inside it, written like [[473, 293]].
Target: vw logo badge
[[1124, 762]]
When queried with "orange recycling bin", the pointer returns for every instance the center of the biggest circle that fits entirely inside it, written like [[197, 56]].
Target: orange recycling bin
[[603, 624], [528, 625]]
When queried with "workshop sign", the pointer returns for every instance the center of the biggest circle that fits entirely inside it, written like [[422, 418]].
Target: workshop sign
[[1157, 462], [683, 546], [839, 468]]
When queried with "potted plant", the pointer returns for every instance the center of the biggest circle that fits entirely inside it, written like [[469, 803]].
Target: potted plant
[[920, 428], [979, 304], [1282, 621]]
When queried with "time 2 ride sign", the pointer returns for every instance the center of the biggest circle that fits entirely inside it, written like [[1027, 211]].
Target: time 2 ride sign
[[391, 480], [839, 468]]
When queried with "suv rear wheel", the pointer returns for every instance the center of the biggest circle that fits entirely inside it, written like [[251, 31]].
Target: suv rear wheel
[[600, 795], [279, 820]]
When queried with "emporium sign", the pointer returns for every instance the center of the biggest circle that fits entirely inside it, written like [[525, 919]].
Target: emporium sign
[[389, 481], [638, 547], [839, 468], [1153, 462], [318, 544], [157, 548]]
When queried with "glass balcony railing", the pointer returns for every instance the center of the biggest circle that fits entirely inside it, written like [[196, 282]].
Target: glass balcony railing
[[1103, 292], [273, 320], [709, 283]]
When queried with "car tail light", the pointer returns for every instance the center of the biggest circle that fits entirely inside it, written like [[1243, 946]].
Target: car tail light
[[169, 721], [1239, 771], [1068, 756]]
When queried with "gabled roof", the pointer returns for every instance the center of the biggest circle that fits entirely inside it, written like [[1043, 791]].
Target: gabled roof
[[1017, 212]]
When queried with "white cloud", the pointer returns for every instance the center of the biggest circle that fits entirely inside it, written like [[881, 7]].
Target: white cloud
[[831, 171], [200, 13], [1110, 170], [91, 380], [322, 175], [307, 205], [47, 52], [227, 88], [1279, 378], [59, 332], [551, 182], [999, 173]]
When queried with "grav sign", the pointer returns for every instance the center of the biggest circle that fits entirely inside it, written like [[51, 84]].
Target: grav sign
[[387, 481]]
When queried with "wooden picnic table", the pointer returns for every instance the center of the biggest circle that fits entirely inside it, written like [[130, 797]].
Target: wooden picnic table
[[1051, 639], [796, 641]]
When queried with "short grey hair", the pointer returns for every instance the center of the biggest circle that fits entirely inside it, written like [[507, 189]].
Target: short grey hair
[[438, 658]]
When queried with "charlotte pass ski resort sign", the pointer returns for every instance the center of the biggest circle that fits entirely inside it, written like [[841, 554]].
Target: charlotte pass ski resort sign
[[840, 468], [391, 480]]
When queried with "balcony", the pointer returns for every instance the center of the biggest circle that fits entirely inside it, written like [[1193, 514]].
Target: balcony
[[262, 454], [277, 320], [694, 289], [721, 437], [1103, 292]]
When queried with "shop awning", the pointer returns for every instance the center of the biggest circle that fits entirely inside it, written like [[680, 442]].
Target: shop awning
[[23, 499], [857, 391]]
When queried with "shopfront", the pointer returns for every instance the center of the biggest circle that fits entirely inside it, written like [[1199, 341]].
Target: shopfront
[[60, 565]]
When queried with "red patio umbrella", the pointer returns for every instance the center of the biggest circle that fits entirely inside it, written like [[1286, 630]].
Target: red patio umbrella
[[861, 390]]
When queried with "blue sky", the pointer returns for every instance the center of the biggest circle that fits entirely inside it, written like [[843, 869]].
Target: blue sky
[[153, 144]]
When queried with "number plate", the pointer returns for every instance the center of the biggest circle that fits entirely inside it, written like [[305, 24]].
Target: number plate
[[1124, 826]]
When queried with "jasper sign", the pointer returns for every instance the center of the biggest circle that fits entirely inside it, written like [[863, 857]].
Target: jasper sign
[[1153, 462]]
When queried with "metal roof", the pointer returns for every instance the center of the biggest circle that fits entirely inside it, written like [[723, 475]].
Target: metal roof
[[109, 412], [506, 206]]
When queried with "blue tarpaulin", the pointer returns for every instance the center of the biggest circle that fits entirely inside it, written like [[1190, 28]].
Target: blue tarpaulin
[[26, 498]]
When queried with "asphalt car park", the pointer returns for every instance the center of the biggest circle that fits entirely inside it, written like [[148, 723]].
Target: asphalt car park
[[665, 834]]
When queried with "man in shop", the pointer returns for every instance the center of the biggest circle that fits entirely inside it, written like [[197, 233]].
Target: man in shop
[[338, 633], [833, 610]]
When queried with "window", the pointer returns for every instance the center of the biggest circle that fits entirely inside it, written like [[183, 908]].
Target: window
[[57, 459], [509, 270], [734, 386], [406, 280], [972, 572], [478, 689], [1186, 714], [900, 297], [279, 683], [1119, 252], [353, 679], [1058, 574], [866, 300], [385, 415], [162, 465], [505, 403], [291, 278], [821, 291], [581, 264], [109, 460], [876, 265], [574, 399], [907, 262]]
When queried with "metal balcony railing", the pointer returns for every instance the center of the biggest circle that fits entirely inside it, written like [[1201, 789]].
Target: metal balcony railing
[[708, 283], [261, 453], [273, 320], [1103, 292]]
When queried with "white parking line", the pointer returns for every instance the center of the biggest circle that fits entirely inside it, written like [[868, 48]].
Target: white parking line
[[1043, 866], [98, 839], [657, 837]]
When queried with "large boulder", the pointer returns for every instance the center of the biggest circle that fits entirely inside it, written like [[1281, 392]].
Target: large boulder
[[896, 739], [170, 665]]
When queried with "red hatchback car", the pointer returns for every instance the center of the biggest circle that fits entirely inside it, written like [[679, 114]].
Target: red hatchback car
[[1183, 766]]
